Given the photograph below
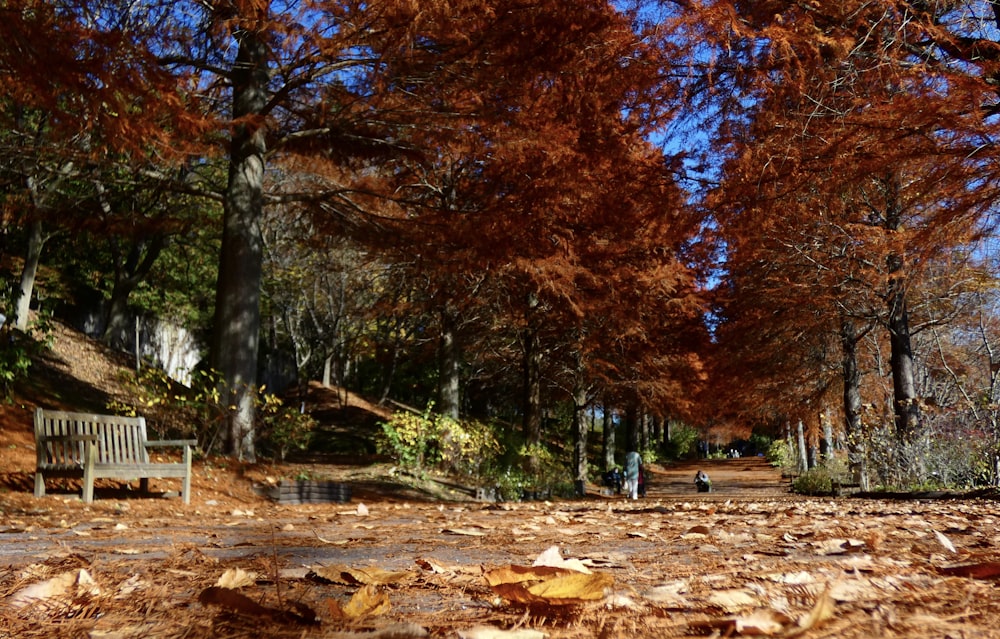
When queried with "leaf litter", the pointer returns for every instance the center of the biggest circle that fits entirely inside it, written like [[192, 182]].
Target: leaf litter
[[767, 567]]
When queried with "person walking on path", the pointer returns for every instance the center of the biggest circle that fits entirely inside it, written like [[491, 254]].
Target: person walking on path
[[633, 463]]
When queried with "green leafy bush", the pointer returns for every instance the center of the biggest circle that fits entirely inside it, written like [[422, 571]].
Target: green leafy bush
[[17, 350], [682, 442], [430, 440], [282, 428], [815, 481], [779, 454], [173, 410]]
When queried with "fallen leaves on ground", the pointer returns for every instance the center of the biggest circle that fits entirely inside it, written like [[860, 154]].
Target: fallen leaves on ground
[[782, 567]]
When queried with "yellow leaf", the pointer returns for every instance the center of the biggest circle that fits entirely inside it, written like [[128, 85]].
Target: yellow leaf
[[574, 587], [822, 611], [367, 602], [521, 574], [361, 576]]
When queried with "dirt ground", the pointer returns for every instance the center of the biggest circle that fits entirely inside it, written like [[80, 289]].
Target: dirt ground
[[400, 561], [748, 559]]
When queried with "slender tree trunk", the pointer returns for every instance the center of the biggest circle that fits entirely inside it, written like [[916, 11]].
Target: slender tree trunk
[[580, 431], [849, 338], [237, 304], [826, 443], [32, 257], [800, 434], [632, 436], [449, 376], [905, 406], [608, 438], [852, 380], [532, 401]]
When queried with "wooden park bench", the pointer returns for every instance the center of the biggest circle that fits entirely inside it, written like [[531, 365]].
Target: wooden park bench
[[102, 446]]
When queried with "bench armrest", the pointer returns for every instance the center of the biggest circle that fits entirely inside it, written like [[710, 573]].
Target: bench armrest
[[171, 442]]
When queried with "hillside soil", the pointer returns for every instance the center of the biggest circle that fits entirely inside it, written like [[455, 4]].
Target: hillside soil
[[407, 558]]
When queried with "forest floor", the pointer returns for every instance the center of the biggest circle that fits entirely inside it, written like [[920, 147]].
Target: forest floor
[[423, 559]]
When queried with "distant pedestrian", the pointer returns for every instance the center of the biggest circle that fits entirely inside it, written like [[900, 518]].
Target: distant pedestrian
[[613, 480], [642, 479], [633, 466], [702, 482]]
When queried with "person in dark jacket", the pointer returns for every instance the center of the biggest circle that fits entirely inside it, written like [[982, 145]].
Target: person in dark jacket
[[703, 483]]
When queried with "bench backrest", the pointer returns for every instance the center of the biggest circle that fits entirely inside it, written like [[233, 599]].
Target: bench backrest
[[120, 440]]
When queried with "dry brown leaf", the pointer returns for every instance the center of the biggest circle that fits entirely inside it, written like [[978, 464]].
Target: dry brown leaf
[[984, 570], [485, 632], [232, 600], [56, 587], [762, 622], [236, 578], [369, 601], [551, 557], [394, 631], [432, 566], [944, 541], [839, 546], [820, 612], [360, 576], [574, 588], [469, 532], [669, 593], [733, 600], [520, 574]]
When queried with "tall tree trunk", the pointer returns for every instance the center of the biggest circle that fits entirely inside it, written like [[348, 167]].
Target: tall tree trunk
[[580, 430], [800, 434], [632, 435], [849, 337], [32, 257], [826, 443], [532, 371], [905, 404], [856, 458], [450, 369], [608, 438], [906, 408], [237, 302]]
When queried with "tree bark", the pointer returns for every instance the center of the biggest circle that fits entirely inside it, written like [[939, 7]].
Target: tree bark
[[906, 408], [849, 336], [580, 430], [532, 401], [803, 451], [608, 438], [32, 257], [632, 435], [905, 404], [449, 376], [237, 303]]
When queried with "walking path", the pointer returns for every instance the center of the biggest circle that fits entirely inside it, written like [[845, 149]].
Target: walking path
[[744, 478]]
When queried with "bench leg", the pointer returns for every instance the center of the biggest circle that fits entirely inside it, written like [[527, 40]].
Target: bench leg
[[90, 458], [144, 485], [39, 485], [186, 483]]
